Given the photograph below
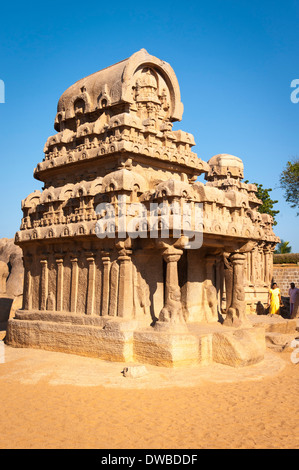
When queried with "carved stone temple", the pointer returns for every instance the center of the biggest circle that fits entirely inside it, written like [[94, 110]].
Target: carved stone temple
[[151, 294]]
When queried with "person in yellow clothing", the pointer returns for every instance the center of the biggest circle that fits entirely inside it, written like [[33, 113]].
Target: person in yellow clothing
[[274, 300]]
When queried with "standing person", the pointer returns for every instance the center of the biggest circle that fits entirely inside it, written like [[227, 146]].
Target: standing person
[[293, 291], [274, 299]]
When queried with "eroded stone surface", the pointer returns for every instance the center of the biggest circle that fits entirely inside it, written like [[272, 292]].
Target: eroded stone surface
[[239, 348]]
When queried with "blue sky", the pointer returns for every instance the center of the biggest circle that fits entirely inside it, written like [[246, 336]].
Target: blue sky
[[234, 61]]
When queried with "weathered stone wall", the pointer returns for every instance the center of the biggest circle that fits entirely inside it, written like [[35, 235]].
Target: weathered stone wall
[[11, 292], [284, 274]]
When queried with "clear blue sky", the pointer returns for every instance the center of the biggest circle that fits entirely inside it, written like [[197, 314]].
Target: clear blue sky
[[234, 61]]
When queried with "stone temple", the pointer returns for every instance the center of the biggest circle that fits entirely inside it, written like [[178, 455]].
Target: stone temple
[[165, 292]]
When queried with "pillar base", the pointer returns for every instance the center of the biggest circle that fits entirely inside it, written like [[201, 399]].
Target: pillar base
[[232, 320]]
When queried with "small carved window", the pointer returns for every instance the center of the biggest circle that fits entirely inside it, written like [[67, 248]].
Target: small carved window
[[79, 106]]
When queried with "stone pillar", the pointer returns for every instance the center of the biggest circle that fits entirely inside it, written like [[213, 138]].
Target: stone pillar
[[27, 294], [74, 284], [59, 285], [113, 297], [249, 268], [44, 284], [261, 265], [105, 286], [267, 270], [219, 280], [125, 286], [236, 315], [270, 259], [172, 279], [91, 284], [252, 270], [211, 287], [210, 262], [172, 310], [228, 277]]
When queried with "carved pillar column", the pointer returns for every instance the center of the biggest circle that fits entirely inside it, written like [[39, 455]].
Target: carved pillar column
[[268, 267], [125, 285], [27, 298], [43, 284], [172, 279], [211, 287], [270, 259], [261, 264], [249, 268], [91, 283], [219, 281], [248, 261], [113, 296], [172, 310], [59, 284], [210, 262], [252, 257], [236, 315], [106, 280], [228, 277], [74, 284]]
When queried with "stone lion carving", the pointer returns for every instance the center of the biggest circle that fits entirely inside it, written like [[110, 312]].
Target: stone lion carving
[[172, 310]]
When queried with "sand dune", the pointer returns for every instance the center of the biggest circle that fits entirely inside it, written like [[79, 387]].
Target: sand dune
[[52, 400]]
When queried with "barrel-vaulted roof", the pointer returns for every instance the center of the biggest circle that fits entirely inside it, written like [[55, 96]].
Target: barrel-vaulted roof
[[116, 84]]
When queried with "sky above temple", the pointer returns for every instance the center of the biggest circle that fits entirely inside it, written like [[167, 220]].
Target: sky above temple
[[234, 60]]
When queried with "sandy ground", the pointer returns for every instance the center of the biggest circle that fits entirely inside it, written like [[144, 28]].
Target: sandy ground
[[53, 400]]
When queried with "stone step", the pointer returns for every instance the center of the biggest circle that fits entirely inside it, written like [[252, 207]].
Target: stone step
[[279, 341], [275, 323]]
